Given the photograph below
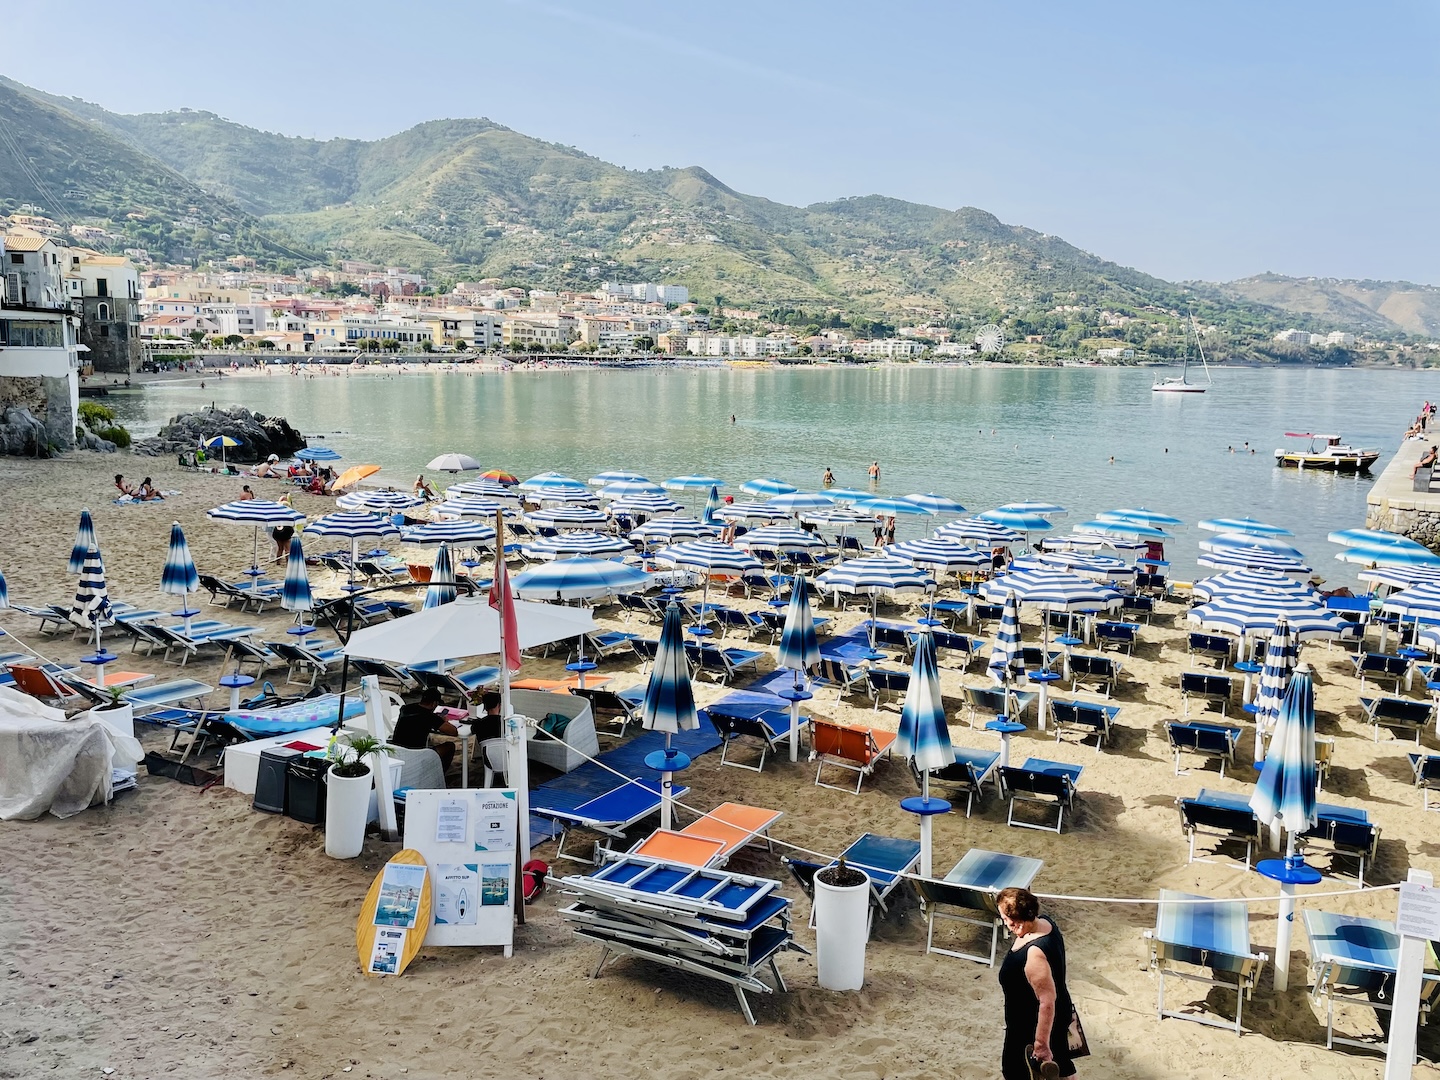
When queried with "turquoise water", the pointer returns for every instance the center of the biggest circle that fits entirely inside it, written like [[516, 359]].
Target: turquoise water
[[980, 435]]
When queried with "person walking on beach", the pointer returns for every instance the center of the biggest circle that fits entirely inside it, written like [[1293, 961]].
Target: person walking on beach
[[1037, 1003]]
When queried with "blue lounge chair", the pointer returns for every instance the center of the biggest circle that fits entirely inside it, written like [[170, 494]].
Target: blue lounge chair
[[972, 886], [609, 814], [746, 719], [1083, 718], [988, 702], [1427, 776], [1347, 832], [886, 859], [837, 672], [1102, 671], [190, 644], [886, 681], [1049, 783], [1379, 666], [459, 684], [1215, 646], [645, 649], [1403, 714], [966, 775], [1208, 688], [1141, 606], [1153, 584], [1214, 936], [721, 664], [889, 636], [742, 622], [1117, 635], [317, 658], [966, 648], [623, 705], [158, 695], [1216, 741], [1222, 815], [604, 645]]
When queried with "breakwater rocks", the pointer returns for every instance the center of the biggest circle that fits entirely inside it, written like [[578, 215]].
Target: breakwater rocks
[[259, 436]]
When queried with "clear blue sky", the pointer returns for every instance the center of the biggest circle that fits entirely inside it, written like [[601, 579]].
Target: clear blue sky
[[1192, 141]]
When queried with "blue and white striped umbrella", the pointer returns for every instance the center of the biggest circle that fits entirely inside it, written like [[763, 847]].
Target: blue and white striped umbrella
[[550, 481], [1044, 509], [799, 647], [567, 517], [1285, 789], [708, 557], [669, 704], [648, 503], [1050, 589], [1022, 520], [1363, 538], [1247, 543], [767, 486], [1281, 655], [712, 507], [1086, 542], [1251, 581], [593, 544], [848, 495], [179, 576], [1401, 577], [834, 515], [354, 525], [317, 453], [626, 488], [580, 578], [924, 737], [257, 512], [473, 506], [1103, 568], [1259, 614], [890, 507], [670, 530], [84, 541], [1237, 559], [4, 593], [1005, 653], [442, 579], [470, 533], [687, 483], [1122, 530], [1417, 602], [381, 502], [484, 489], [1382, 555], [566, 496], [749, 511], [1139, 515], [1246, 526], [779, 538], [296, 594], [980, 531], [91, 609], [935, 504], [873, 575], [941, 554], [800, 500], [616, 476]]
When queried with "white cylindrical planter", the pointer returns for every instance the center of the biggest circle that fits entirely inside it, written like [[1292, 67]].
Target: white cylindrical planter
[[347, 805], [842, 930], [121, 720]]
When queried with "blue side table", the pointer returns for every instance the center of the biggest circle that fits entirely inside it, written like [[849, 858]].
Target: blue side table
[[1249, 668], [667, 762], [235, 682], [582, 667], [924, 808], [1044, 678], [1289, 872], [1005, 728], [1068, 642]]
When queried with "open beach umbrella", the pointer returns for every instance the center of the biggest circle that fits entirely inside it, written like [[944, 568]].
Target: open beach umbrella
[[779, 538], [796, 501], [924, 737], [848, 495], [549, 481], [708, 557], [221, 443], [935, 504], [669, 704], [592, 544], [1251, 581], [769, 487], [1285, 796], [379, 502], [567, 517], [749, 511], [1021, 520], [296, 595], [1251, 615], [1281, 656], [84, 541], [471, 533], [712, 507], [1247, 559], [354, 525], [1006, 650], [91, 609], [625, 488], [1391, 555], [485, 489], [694, 482], [567, 496], [1044, 509], [453, 463], [1363, 538], [1122, 530], [1248, 543], [580, 578], [669, 530], [500, 476], [1246, 526], [1103, 568], [442, 579], [1139, 515], [980, 531], [352, 476], [318, 453], [1050, 589], [873, 505], [1401, 577], [180, 578], [941, 554], [474, 506], [648, 503], [799, 650], [260, 514], [1417, 602], [616, 477], [872, 576]]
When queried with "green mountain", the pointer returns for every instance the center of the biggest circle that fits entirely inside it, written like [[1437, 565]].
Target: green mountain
[[1368, 306], [470, 199]]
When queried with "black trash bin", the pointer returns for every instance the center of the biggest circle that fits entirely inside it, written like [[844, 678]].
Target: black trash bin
[[305, 800]]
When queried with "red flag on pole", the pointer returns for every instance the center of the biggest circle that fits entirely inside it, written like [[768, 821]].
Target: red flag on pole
[[504, 603]]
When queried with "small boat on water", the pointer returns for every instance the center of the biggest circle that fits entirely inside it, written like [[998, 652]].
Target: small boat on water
[[1325, 452], [1178, 384]]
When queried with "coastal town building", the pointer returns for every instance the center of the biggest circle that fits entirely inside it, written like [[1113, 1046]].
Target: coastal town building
[[104, 290], [39, 349]]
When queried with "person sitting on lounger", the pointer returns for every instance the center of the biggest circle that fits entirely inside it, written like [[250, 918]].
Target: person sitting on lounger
[[146, 492], [122, 487], [424, 490], [1427, 461], [418, 721]]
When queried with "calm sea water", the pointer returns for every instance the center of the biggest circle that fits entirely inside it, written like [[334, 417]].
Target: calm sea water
[[981, 435]]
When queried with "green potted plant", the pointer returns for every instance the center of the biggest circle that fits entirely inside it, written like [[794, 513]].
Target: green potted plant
[[347, 800]]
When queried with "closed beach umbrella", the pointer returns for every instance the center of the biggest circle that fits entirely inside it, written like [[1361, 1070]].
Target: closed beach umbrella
[[1285, 796], [453, 463], [442, 579], [91, 609], [447, 532], [935, 504], [4, 593], [1251, 581], [549, 481], [924, 737], [592, 544], [180, 578], [692, 483], [712, 506], [980, 531], [623, 488], [941, 554], [259, 514], [485, 489], [352, 476], [500, 476], [1006, 650], [1246, 526], [799, 650], [380, 502], [779, 538], [1139, 515], [1281, 656], [318, 453], [800, 500], [1251, 559], [670, 530], [669, 704], [1248, 543], [1390, 555], [84, 541], [296, 595], [616, 477], [567, 517], [768, 487], [580, 578], [646, 503]]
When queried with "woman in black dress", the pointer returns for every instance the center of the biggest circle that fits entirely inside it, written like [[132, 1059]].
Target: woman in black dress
[[1037, 1004]]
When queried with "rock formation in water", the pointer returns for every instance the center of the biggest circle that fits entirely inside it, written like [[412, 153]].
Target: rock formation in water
[[259, 436]]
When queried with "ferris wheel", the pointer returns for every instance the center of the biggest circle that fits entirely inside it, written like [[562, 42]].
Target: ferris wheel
[[990, 338]]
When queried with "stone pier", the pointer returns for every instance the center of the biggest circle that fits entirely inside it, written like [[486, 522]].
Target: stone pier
[[1394, 504]]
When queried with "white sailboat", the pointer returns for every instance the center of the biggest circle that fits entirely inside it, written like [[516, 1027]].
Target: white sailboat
[[1179, 384]]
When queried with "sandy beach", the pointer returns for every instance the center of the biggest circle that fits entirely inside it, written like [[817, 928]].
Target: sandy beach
[[178, 932]]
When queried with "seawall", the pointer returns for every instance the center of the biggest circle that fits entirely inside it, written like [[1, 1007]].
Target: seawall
[[1395, 505]]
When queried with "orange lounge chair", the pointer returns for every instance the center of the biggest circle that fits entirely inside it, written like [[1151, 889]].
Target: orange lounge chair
[[592, 682], [39, 683], [854, 748], [711, 839]]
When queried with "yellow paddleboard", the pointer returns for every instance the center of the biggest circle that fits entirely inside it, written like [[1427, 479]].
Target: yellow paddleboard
[[366, 930]]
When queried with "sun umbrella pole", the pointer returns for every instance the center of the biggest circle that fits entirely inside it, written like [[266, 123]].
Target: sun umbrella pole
[[667, 779], [1287, 919]]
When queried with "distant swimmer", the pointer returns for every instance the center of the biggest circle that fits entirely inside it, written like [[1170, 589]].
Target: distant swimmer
[[874, 472], [732, 418], [829, 478], [1112, 459]]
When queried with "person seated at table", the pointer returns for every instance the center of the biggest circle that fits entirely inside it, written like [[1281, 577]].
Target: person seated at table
[[146, 492], [489, 724], [418, 721]]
